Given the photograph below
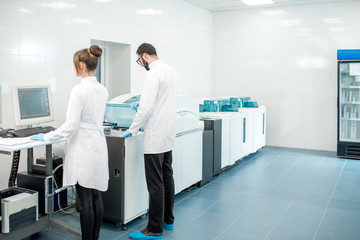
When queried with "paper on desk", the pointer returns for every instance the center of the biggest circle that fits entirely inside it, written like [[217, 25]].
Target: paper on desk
[[14, 141]]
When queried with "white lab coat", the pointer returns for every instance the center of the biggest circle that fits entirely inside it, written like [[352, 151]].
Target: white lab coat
[[157, 109], [86, 156]]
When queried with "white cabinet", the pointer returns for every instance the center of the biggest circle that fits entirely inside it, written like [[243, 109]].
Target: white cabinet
[[225, 141], [248, 127], [254, 124], [187, 160], [242, 132], [136, 202], [236, 138], [259, 127], [263, 133], [176, 163], [127, 197], [231, 137]]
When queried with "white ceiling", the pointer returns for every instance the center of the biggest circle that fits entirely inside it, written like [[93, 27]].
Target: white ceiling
[[229, 5]]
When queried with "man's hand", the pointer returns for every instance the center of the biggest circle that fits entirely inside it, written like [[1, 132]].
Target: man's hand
[[134, 105], [127, 134]]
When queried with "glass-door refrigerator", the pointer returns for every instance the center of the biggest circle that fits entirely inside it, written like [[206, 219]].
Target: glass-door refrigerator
[[348, 144]]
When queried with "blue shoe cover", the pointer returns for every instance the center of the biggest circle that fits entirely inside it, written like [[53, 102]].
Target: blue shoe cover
[[140, 235], [169, 226]]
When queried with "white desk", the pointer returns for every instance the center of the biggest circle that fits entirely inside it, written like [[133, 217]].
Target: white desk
[[26, 143], [14, 146]]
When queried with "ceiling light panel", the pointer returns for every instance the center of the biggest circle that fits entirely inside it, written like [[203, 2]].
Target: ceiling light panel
[[257, 2], [231, 5], [274, 12]]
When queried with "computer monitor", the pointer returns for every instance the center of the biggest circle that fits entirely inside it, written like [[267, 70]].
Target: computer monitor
[[32, 105]]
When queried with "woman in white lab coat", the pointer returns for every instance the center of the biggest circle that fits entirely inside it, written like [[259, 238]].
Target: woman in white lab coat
[[86, 159]]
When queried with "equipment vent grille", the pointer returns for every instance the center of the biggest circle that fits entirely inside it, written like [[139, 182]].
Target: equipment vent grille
[[352, 151]]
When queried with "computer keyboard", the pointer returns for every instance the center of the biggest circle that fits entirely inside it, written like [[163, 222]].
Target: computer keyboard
[[26, 132]]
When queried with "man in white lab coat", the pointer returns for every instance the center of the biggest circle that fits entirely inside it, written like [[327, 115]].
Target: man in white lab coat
[[156, 112]]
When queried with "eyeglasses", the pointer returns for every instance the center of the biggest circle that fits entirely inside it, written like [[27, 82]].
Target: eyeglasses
[[138, 60]]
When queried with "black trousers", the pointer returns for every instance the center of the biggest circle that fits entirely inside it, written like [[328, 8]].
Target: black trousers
[[160, 184], [91, 210]]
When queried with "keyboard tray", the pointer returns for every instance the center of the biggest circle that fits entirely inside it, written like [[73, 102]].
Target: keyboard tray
[[26, 132]]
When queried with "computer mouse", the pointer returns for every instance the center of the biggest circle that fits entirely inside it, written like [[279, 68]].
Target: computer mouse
[[3, 132], [8, 135]]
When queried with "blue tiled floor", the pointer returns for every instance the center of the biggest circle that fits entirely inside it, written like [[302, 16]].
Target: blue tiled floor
[[275, 194]]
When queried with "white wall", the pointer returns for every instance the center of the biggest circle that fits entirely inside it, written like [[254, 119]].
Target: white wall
[[288, 63], [38, 41]]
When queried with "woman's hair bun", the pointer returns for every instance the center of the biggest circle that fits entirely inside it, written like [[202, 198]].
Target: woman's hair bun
[[95, 50]]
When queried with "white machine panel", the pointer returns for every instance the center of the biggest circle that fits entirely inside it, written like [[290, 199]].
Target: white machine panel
[[187, 160], [225, 141], [136, 197]]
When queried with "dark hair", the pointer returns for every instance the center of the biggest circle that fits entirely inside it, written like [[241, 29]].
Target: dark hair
[[146, 48], [89, 56]]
